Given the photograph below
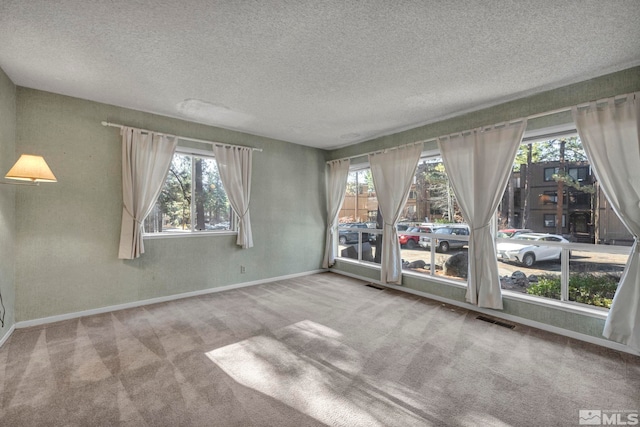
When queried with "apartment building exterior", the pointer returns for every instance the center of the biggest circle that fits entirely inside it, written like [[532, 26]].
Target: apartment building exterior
[[587, 215]]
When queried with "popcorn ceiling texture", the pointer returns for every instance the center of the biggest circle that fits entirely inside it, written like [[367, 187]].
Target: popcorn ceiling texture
[[324, 74]]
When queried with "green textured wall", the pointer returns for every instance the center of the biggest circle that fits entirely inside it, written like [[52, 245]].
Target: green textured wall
[[602, 87], [68, 232], [7, 199]]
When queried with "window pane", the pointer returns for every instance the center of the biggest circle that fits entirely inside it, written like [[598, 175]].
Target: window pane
[[594, 277], [436, 202], [432, 208], [549, 172], [528, 266], [545, 175], [549, 197], [573, 173], [358, 212], [172, 211], [211, 205], [546, 172], [579, 173], [360, 204], [192, 189]]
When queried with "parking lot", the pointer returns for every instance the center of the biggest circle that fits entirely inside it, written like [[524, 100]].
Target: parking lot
[[581, 261]]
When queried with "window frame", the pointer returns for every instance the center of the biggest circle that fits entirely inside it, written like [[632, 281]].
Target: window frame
[[579, 169], [555, 169], [233, 218], [564, 303], [564, 220], [550, 198]]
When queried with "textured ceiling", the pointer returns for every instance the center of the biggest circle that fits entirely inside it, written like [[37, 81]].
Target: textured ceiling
[[319, 73]]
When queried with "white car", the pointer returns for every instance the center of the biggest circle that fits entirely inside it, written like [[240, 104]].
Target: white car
[[527, 249]]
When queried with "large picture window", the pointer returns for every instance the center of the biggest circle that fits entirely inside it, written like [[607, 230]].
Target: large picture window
[[434, 238], [431, 207], [192, 199]]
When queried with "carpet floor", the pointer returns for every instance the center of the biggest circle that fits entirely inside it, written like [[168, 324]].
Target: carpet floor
[[320, 350]]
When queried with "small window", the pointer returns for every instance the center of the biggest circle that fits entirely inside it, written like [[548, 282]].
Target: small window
[[549, 172], [192, 198], [356, 206], [580, 199], [579, 174], [549, 198], [550, 220]]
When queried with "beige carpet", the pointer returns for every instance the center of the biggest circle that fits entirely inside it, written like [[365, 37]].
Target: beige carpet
[[312, 351]]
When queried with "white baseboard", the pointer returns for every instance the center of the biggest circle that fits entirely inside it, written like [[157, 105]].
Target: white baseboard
[[75, 315], [6, 336], [496, 313]]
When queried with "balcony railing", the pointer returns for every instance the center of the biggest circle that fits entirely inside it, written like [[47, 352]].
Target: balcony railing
[[579, 262]]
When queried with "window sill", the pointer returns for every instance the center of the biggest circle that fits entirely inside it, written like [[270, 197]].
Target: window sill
[[174, 235], [568, 306]]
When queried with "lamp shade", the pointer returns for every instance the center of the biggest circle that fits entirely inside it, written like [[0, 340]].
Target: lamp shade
[[31, 168]]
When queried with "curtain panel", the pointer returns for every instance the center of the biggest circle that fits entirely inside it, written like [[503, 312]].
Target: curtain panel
[[234, 165], [478, 164], [609, 132], [146, 158], [336, 184], [393, 171]]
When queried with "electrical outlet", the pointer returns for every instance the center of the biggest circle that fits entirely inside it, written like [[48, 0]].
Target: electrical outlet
[[242, 269]]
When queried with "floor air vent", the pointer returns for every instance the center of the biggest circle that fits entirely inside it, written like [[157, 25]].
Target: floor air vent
[[496, 322], [373, 285]]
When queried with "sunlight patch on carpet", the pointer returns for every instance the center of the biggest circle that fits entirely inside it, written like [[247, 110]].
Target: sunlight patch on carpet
[[313, 385]]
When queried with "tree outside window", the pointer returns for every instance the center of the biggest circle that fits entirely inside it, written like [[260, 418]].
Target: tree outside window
[[192, 198]]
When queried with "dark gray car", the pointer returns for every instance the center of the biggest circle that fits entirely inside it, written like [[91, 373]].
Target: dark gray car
[[346, 236], [443, 244]]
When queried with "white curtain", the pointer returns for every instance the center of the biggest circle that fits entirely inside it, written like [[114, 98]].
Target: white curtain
[[478, 165], [336, 183], [609, 133], [393, 171], [146, 158], [234, 165]]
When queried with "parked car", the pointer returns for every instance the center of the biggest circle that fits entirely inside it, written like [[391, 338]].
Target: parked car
[[219, 226], [347, 236], [402, 226], [528, 248], [444, 244], [409, 241], [513, 232]]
